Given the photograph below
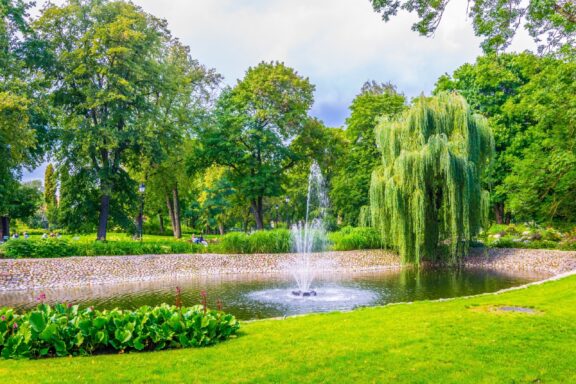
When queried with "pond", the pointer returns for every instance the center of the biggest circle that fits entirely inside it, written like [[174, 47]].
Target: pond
[[269, 295]]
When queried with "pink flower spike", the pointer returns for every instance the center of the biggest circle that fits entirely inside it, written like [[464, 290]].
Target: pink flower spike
[[15, 326], [3, 318]]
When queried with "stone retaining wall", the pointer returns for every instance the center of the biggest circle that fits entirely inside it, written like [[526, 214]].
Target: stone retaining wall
[[76, 271]]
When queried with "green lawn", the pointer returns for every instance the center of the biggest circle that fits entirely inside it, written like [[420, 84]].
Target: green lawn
[[457, 341]]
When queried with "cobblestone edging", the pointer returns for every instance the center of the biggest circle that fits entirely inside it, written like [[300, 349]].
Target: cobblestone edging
[[77, 271]]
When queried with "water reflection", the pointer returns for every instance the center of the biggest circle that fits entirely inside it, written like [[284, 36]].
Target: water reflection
[[265, 295]]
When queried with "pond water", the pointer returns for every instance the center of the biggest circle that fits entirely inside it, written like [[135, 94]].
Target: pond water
[[269, 295]]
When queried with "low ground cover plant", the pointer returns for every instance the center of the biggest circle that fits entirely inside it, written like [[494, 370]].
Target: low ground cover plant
[[67, 330]]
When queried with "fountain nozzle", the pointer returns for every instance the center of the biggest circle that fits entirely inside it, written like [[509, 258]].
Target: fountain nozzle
[[304, 293]]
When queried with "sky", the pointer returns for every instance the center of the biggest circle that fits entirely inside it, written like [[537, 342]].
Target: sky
[[337, 44]]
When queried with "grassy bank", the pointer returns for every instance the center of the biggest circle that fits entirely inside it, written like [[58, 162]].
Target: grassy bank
[[458, 341]]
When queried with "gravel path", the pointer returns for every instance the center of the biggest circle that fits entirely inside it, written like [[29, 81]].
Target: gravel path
[[78, 271]]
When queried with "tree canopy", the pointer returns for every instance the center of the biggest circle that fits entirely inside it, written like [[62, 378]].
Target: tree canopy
[[528, 101], [552, 23], [427, 191], [255, 123], [351, 183]]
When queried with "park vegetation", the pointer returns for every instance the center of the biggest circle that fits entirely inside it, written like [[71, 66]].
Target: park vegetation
[[271, 241], [134, 131], [67, 330], [427, 191]]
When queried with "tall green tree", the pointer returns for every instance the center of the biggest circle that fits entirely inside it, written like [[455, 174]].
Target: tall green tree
[[255, 122], [106, 63], [350, 187], [542, 183], [181, 107], [22, 202], [22, 113], [317, 143], [427, 191], [515, 92], [552, 23], [489, 86], [50, 189]]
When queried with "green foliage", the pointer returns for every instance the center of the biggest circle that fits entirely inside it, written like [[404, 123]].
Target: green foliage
[[69, 331], [427, 191], [22, 201], [42, 248], [255, 123], [350, 185], [542, 183], [328, 147], [532, 236], [22, 127], [50, 187], [275, 241], [123, 100], [497, 21], [529, 103], [350, 238]]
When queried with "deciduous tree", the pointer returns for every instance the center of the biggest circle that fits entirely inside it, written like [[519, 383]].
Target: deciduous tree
[[255, 122], [427, 191]]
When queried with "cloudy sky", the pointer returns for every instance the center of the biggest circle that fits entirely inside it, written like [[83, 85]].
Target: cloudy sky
[[337, 44]]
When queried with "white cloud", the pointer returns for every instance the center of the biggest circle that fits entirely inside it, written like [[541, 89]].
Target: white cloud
[[338, 44]]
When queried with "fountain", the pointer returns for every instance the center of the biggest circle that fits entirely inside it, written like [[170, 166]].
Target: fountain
[[310, 235], [309, 240]]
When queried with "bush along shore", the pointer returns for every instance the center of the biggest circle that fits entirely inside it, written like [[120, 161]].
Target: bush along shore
[[66, 330], [274, 241]]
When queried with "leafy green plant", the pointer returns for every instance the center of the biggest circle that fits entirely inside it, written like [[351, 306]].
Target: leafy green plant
[[275, 241], [47, 248], [64, 330], [350, 238]]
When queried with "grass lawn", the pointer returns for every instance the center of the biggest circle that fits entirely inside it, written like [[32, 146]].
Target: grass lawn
[[457, 341]]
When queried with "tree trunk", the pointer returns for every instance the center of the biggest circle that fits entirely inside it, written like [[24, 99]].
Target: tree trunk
[[178, 227], [103, 220], [257, 210], [499, 213], [171, 213], [4, 227], [161, 221], [221, 227]]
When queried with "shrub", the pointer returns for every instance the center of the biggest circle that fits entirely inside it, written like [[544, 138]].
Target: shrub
[[66, 330], [17, 248], [350, 238], [46, 248], [275, 241]]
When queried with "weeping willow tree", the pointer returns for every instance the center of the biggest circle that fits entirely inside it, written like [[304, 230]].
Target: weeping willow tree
[[427, 195]]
